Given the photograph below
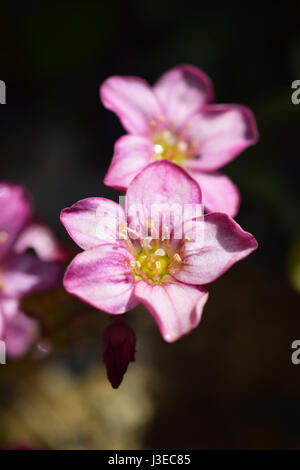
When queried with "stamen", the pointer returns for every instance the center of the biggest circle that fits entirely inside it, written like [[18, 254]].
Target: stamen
[[146, 243], [187, 239], [158, 149], [157, 267], [182, 146], [160, 252], [177, 258]]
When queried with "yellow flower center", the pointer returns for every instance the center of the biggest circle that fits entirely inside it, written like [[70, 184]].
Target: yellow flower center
[[169, 146], [154, 264]]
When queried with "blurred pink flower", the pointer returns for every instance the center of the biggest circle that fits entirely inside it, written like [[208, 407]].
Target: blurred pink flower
[[176, 120], [115, 272], [22, 271], [118, 349]]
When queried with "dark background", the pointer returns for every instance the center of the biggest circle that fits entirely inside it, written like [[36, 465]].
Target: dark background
[[231, 383]]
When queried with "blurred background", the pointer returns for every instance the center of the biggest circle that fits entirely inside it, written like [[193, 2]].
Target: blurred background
[[230, 384]]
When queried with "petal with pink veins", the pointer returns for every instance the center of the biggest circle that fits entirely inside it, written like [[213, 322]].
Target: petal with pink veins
[[131, 154], [134, 102], [15, 211], [222, 243], [25, 274], [159, 194], [177, 308], [219, 133], [102, 277], [183, 90], [219, 194], [93, 221]]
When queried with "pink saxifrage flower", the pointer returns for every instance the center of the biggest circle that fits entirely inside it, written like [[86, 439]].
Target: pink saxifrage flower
[[22, 271], [176, 120], [165, 273]]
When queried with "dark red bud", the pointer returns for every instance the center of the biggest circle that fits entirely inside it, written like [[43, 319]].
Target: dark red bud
[[118, 349]]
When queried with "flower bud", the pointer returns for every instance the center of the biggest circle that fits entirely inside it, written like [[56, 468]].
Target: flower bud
[[118, 349]]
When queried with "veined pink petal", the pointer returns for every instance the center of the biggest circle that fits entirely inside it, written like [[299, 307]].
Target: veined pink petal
[[131, 154], [19, 335], [219, 194], [93, 221], [102, 277], [15, 211], [159, 193], [42, 240], [220, 133], [222, 245], [25, 273], [176, 308], [183, 90], [134, 102]]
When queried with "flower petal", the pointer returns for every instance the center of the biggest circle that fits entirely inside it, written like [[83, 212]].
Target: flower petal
[[222, 244], [103, 278], [42, 240], [131, 154], [93, 221], [220, 133], [177, 308], [134, 102], [26, 273], [19, 335], [159, 193], [183, 90], [219, 194], [15, 211]]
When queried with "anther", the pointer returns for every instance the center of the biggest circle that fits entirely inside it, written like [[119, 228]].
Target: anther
[[160, 252]]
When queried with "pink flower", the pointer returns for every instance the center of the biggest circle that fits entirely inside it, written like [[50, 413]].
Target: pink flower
[[122, 266], [118, 349], [176, 120], [22, 272]]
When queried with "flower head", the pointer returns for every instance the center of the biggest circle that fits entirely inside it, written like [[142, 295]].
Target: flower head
[[159, 251], [118, 349], [22, 272], [176, 120]]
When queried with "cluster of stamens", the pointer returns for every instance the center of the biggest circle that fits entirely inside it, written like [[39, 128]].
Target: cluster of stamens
[[154, 258], [169, 144]]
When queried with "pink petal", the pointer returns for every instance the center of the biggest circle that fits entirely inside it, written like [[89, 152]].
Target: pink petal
[[42, 240], [160, 190], [177, 308], [220, 133], [102, 277], [218, 192], [20, 333], [93, 221], [134, 102], [183, 90], [25, 273], [15, 211], [222, 245], [131, 154]]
